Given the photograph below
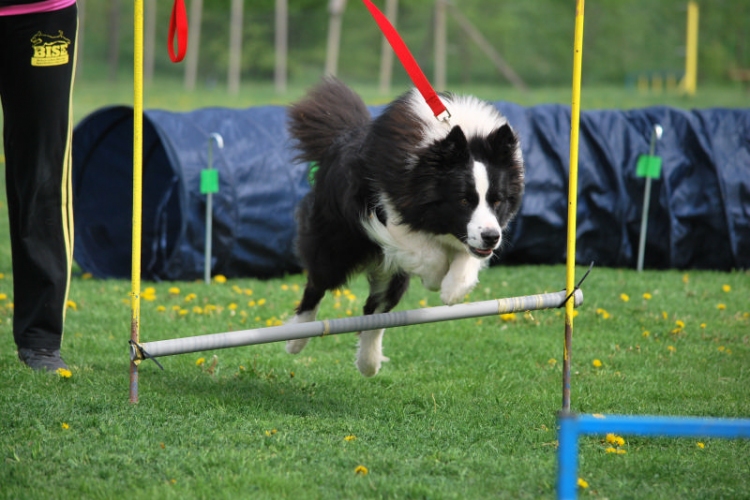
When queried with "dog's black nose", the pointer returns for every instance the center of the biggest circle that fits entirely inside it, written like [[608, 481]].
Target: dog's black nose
[[490, 237]]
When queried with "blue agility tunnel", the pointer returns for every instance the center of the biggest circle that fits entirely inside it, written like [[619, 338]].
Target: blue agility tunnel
[[253, 211], [699, 215]]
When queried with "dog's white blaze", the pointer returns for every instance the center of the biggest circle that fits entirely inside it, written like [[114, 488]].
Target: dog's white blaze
[[483, 219]]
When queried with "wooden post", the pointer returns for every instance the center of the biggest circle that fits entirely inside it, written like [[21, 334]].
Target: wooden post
[[440, 44], [235, 47], [336, 9], [386, 53], [194, 42], [149, 42], [281, 36]]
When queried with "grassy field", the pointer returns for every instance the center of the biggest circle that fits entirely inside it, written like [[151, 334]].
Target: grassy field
[[464, 409]]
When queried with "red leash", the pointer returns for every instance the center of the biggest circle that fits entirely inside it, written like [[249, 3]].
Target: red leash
[[178, 24], [409, 63]]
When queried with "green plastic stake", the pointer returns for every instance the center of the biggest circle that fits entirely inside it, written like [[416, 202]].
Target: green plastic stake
[[209, 181]]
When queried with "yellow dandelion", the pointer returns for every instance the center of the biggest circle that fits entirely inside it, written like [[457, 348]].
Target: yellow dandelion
[[295, 287], [582, 483], [160, 309], [721, 348], [232, 306], [2, 276], [361, 469], [611, 449], [700, 445], [87, 276], [620, 451], [423, 303], [65, 426], [596, 363], [197, 310], [285, 287], [251, 303], [350, 437], [220, 278], [183, 312], [603, 313], [508, 317], [680, 324], [703, 325], [71, 305], [176, 307], [200, 361], [726, 288], [646, 333], [64, 372], [174, 291], [190, 297], [270, 433], [3, 296], [610, 438], [721, 307], [261, 302], [685, 278], [624, 297], [237, 289], [664, 314], [671, 348], [647, 296], [619, 441], [552, 361]]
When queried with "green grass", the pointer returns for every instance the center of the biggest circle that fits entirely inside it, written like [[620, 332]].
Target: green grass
[[465, 409]]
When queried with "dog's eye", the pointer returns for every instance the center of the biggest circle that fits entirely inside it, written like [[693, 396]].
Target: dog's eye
[[497, 204], [464, 202]]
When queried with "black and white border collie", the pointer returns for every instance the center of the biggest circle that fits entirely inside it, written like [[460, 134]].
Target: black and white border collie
[[404, 194]]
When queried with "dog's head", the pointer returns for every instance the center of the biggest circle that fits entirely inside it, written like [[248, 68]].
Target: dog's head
[[468, 188]]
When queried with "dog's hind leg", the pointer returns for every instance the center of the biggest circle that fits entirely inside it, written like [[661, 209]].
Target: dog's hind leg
[[385, 293], [306, 311]]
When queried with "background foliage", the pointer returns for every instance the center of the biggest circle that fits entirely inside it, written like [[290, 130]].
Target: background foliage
[[623, 38]]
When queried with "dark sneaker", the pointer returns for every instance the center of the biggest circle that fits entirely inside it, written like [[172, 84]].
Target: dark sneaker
[[42, 359]]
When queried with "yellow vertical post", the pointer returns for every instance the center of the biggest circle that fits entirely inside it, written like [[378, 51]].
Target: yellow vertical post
[[575, 113], [690, 80], [135, 293]]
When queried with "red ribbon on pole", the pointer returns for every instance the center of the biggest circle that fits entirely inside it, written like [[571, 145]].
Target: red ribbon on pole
[[408, 62], [178, 24]]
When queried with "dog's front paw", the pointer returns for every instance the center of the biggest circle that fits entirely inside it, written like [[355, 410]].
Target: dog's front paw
[[451, 297]]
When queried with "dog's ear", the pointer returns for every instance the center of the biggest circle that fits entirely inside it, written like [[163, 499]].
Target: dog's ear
[[503, 140], [452, 150]]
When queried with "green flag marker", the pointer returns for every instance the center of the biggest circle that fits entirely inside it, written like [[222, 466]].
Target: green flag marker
[[209, 181], [648, 166]]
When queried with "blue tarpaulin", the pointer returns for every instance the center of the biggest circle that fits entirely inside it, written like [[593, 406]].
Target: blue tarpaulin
[[699, 216]]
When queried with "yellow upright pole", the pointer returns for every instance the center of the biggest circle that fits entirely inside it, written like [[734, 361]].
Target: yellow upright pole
[[575, 113], [135, 294], [690, 80]]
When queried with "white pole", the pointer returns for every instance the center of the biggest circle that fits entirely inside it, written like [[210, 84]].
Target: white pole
[[209, 210], [655, 136], [353, 324]]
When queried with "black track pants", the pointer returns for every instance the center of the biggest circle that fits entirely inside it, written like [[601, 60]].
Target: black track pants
[[37, 63]]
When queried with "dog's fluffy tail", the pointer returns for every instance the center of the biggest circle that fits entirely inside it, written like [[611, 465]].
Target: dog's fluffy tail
[[329, 111]]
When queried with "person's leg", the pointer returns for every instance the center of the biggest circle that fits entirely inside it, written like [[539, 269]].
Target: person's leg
[[36, 78]]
